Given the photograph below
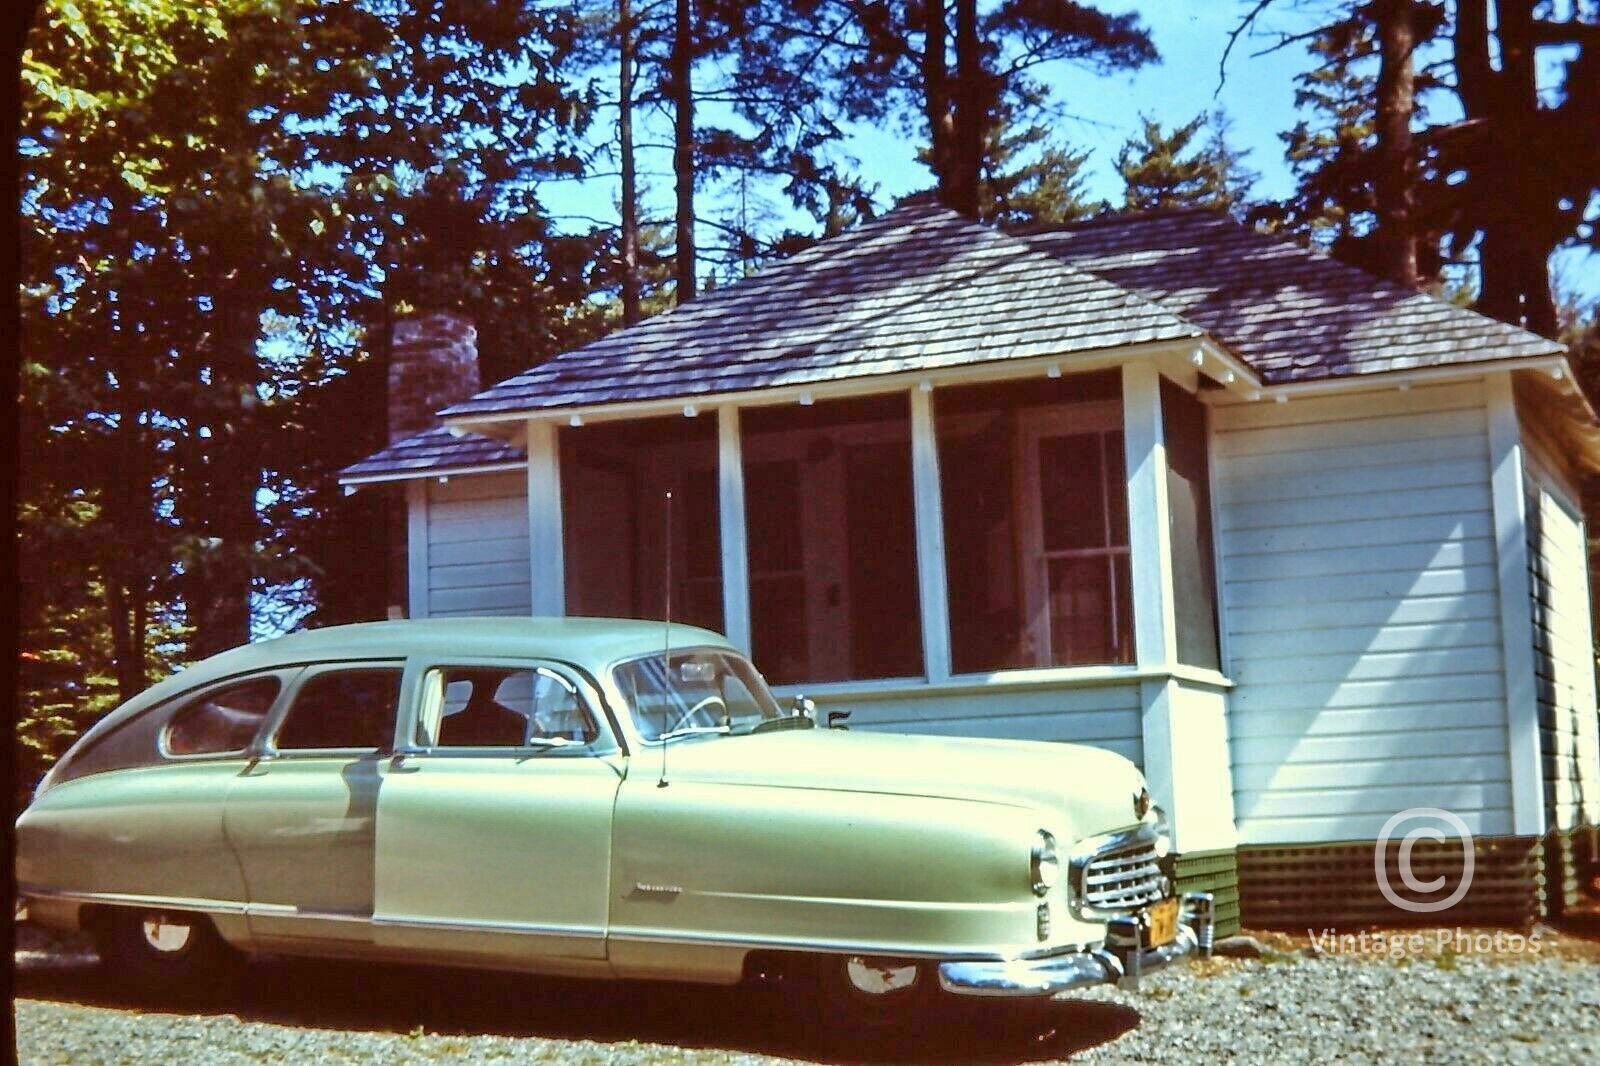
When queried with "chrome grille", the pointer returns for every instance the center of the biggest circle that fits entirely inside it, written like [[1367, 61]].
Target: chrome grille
[[1119, 873]]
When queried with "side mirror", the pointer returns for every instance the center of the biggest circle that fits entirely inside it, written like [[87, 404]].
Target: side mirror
[[804, 707], [836, 718]]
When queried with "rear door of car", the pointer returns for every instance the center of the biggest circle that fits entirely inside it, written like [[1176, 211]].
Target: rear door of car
[[302, 815], [138, 814], [494, 822]]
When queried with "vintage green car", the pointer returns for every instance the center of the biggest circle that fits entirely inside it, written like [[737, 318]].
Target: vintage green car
[[592, 798]]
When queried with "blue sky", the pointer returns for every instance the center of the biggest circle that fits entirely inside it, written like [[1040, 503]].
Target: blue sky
[[1104, 111]]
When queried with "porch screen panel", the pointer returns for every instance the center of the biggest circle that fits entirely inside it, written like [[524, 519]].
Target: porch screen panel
[[1036, 523], [614, 481], [831, 529], [1194, 573]]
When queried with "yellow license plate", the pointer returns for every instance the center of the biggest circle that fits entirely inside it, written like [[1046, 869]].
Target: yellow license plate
[[1162, 921]]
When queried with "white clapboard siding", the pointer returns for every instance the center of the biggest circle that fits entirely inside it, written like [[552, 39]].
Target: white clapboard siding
[[1105, 716], [1360, 590], [477, 553], [1564, 665]]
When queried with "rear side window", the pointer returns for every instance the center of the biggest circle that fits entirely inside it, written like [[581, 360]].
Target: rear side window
[[223, 721], [343, 709]]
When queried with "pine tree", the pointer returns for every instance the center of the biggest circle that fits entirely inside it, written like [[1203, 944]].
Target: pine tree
[[1517, 175], [1177, 168], [955, 72], [1031, 177]]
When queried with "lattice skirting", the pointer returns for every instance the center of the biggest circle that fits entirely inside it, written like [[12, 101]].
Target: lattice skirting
[[1321, 885], [1571, 857], [1216, 872]]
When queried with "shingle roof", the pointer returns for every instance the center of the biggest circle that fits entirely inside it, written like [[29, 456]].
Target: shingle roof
[[434, 449], [923, 288], [917, 289], [1290, 313]]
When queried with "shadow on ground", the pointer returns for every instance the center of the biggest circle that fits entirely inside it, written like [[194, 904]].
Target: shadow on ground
[[402, 999]]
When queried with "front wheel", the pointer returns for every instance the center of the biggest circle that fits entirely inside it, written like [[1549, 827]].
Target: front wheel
[[864, 995], [163, 951]]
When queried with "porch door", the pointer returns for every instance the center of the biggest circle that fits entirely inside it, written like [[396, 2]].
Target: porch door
[[1071, 493], [882, 588], [776, 513], [600, 575]]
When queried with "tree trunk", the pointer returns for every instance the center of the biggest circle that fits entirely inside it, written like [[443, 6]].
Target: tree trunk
[[217, 591], [682, 69], [1396, 181], [630, 191], [936, 95], [129, 665], [971, 112], [127, 507], [1512, 203]]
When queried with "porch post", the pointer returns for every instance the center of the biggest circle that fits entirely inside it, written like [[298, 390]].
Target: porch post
[[1508, 485], [1150, 550], [1149, 540], [546, 564], [932, 588], [735, 549], [417, 548]]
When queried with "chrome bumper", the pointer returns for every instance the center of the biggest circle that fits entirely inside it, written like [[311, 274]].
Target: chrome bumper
[[1120, 961]]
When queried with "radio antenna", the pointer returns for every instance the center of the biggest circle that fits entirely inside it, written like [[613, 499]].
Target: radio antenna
[[666, 626]]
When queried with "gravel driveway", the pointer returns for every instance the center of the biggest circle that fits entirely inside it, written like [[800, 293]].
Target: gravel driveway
[[1289, 1006]]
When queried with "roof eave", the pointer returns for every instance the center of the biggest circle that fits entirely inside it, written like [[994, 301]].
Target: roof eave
[[1200, 350], [423, 474], [1555, 367]]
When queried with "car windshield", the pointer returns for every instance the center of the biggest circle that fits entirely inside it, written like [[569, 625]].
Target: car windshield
[[700, 692]]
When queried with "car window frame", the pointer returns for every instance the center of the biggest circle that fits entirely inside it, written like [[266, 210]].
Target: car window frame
[[171, 710], [607, 739], [268, 739], [624, 712]]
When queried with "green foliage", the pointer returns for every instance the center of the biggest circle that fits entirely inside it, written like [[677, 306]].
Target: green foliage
[[216, 198], [1176, 168], [807, 68], [1049, 187], [1334, 204]]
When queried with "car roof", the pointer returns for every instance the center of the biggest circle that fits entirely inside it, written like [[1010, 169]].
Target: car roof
[[584, 641], [593, 643]]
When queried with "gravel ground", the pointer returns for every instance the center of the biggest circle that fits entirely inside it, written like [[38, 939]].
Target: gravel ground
[[1291, 1005]]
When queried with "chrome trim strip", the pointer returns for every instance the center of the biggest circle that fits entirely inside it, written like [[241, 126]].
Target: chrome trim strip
[[289, 910], [468, 925], [133, 899], [641, 936]]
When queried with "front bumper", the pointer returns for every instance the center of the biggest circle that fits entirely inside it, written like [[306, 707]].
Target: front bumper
[[1121, 960]]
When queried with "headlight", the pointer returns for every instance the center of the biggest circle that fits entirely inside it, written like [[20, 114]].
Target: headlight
[[1046, 868], [1157, 820]]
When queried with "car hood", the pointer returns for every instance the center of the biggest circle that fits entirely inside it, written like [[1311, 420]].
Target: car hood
[[1093, 787]]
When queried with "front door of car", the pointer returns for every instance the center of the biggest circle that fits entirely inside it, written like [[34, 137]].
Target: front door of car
[[302, 816], [494, 824]]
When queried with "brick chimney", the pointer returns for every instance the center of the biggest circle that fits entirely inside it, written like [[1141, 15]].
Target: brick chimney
[[433, 363]]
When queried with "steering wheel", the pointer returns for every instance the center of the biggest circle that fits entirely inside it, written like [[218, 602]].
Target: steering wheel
[[688, 715]]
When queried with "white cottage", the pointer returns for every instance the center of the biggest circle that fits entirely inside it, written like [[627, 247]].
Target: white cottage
[[1304, 545]]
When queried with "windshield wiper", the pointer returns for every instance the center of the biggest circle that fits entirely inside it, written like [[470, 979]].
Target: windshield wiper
[[694, 730], [772, 725]]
